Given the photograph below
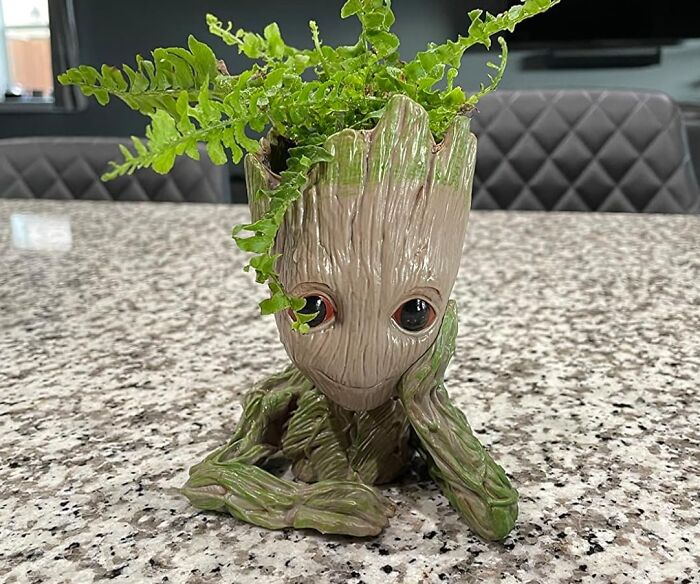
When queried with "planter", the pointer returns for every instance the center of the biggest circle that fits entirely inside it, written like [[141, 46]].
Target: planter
[[374, 245], [359, 219]]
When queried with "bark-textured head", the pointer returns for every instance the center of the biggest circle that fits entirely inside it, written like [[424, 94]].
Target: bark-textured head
[[379, 228]]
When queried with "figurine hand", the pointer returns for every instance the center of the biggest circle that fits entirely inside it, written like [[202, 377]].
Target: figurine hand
[[472, 481], [430, 368], [254, 495], [342, 507]]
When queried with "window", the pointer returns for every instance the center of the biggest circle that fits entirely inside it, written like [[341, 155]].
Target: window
[[38, 40], [26, 71]]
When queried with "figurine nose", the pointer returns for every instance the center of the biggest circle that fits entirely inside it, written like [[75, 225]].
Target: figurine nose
[[366, 355]]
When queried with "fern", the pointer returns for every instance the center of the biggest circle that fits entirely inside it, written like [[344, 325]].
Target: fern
[[304, 95]]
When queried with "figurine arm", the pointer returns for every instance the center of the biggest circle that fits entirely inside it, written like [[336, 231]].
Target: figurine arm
[[472, 481], [229, 480]]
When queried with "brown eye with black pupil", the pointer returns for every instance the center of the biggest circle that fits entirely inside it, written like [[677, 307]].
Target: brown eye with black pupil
[[320, 306], [415, 315]]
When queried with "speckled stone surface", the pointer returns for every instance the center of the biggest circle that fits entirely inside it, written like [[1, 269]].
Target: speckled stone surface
[[123, 360]]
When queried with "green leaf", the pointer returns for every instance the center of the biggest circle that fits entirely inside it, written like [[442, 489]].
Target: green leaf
[[265, 264], [215, 150], [385, 43], [379, 19], [276, 303], [350, 8], [275, 44], [140, 146], [305, 318], [204, 57], [301, 328], [297, 304], [102, 96], [253, 244]]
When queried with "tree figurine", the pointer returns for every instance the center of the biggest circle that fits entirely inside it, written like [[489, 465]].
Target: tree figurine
[[359, 197]]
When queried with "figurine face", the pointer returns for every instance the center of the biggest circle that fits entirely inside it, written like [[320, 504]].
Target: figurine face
[[374, 245], [379, 278], [380, 298], [357, 355]]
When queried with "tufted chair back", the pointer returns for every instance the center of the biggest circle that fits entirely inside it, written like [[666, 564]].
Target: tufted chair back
[[577, 150], [70, 168]]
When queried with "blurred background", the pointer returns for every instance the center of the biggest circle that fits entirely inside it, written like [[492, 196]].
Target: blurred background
[[639, 45]]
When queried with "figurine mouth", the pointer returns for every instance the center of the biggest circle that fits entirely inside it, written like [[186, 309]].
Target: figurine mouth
[[350, 387], [351, 397]]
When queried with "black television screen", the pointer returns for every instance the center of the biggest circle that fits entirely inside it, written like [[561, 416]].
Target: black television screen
[[605, 22]]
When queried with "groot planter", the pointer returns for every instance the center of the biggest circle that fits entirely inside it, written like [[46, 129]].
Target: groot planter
[[373, 245], [358, 239]]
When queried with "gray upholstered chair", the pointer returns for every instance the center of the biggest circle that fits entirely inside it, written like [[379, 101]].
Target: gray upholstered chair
[[578, 150], [70, 168]]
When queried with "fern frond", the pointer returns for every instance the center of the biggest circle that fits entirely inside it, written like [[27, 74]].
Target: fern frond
[[483, 26], [153, 85], [217, 124], [500, 69]]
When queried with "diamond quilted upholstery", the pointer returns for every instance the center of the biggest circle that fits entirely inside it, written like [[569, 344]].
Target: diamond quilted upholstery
[[70, 168], [577, 150]]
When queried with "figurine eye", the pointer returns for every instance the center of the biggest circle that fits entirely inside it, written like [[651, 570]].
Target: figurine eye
[[414, 315], [319, 305]]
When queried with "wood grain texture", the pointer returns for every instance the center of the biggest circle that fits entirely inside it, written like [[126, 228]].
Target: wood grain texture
[[382, 223]]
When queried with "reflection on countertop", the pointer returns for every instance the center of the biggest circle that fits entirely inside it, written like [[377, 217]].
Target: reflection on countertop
[[31, 231]]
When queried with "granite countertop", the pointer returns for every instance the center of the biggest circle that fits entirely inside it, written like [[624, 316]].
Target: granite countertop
[[124, 356]]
